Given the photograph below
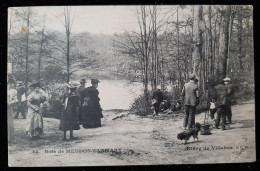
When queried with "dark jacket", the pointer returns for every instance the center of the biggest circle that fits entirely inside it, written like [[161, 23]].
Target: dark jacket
[[80, 93], [158, 95], [220, 95], [189, 93], [20, 93], [91, 93], [230, 94]]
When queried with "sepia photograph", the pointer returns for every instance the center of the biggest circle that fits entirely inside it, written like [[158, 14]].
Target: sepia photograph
[[115, 85]]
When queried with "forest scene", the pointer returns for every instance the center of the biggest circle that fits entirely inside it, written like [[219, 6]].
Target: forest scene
[[149, 46]]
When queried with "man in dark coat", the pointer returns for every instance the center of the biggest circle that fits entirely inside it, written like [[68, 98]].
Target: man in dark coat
[[190, 93], [157, 99], [81, 89], [230, 93], [221, 101], [80, 94], [22, 106]]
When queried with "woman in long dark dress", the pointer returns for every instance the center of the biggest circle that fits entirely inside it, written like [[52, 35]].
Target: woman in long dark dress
[[69, 119], [93, 111]]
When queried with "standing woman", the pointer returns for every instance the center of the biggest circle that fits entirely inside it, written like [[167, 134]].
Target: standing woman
[[35, 119], [93, 114], [69, 119]]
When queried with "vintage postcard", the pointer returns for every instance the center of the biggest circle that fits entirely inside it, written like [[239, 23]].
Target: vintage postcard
[[130, 85]]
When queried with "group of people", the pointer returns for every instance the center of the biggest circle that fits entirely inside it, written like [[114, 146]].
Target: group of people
[[161, 105], [219, 97], [30, 107], [80, 107]]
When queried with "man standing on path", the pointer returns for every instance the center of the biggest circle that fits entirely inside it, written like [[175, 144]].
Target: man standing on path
[[230, 92], [190, 93], [21, 100], [80, 94], [157, 99], [221, 101]]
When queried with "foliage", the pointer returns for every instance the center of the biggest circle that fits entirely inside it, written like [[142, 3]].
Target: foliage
[[139, 105], [55, 97]]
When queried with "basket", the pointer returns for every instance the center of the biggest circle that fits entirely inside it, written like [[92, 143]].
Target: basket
[[205, 128]]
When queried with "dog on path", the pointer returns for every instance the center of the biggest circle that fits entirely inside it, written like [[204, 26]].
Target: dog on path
[[185, 135]]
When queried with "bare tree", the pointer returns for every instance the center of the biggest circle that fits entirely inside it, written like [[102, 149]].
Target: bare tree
[[197, 40]]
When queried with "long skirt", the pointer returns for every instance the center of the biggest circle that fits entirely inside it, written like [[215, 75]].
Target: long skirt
[[10, 123], [69, 119], [90, 118], [35, 124]]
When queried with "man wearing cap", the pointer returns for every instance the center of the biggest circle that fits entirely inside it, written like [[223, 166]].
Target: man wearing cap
[[157, 99], [190, 93], [220, 97], [21, 100], [80, 93], [230, 92], [80, 90]]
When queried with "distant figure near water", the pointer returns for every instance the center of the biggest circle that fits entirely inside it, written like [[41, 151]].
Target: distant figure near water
[[157, 99]]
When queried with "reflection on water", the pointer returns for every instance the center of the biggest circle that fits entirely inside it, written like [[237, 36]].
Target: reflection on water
[[117, 94]]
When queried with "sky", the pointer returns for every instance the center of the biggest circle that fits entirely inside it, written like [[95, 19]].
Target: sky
[[93, 19]]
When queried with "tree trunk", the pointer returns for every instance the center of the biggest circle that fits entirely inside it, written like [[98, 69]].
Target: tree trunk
[[223, 43], [197, 41], [239, 36], [40, 56], [27, 51]]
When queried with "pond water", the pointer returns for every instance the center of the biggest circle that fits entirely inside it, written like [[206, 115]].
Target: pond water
[[117, 94]]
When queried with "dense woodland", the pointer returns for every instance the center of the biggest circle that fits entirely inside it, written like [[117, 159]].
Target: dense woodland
[[168, 44]]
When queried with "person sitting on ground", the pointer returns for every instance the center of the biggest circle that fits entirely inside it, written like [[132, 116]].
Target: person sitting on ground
[[165, 105], [175, 107], [157, 99]]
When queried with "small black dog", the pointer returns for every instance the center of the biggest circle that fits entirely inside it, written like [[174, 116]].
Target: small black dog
[[185, 135]]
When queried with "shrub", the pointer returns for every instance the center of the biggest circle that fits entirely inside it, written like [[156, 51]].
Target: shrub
[[55, 96], [139, 106]]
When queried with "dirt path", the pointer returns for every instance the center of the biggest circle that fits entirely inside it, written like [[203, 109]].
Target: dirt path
[[132, 140]]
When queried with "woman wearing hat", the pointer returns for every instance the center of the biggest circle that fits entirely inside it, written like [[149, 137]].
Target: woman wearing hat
[[93, 113], [69, 119], [35, 119]]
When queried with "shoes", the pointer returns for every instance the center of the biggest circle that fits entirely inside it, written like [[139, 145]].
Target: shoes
[[223, 129], [15, 117], [24, 118], [72, 138], [216, 127]]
